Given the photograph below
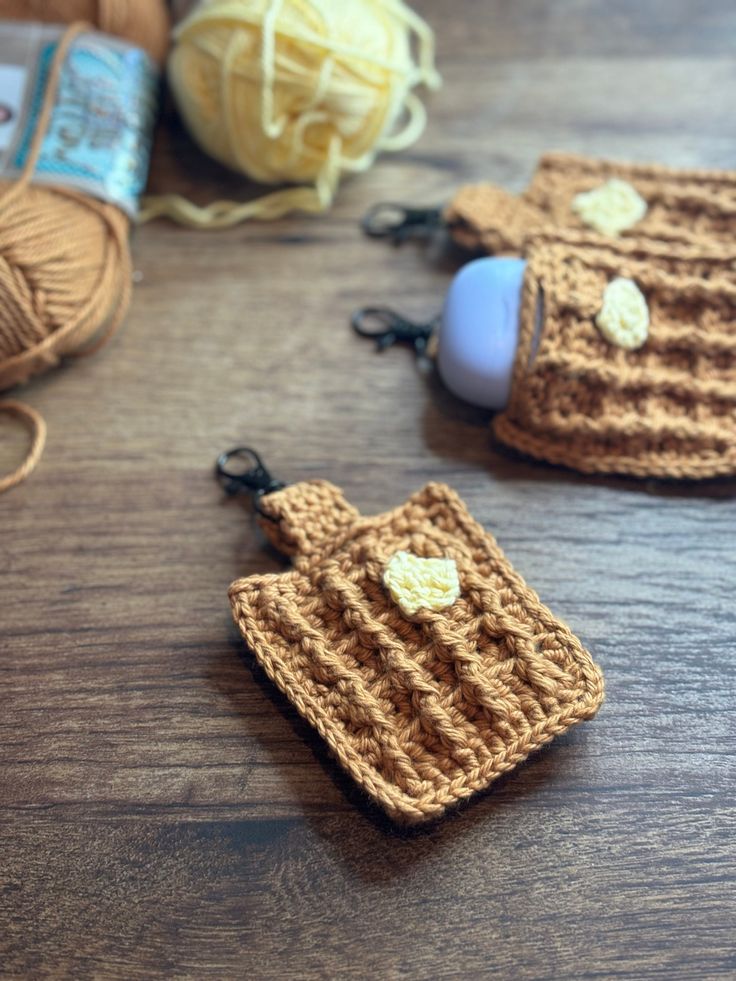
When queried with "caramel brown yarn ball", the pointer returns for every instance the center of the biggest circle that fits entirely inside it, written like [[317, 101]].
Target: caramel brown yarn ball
[[65, 272], [143, 22]]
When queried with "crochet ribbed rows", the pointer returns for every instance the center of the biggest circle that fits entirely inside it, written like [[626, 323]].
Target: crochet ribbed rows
[[681, 205], [422, 710], [429, 679], [667, 409]]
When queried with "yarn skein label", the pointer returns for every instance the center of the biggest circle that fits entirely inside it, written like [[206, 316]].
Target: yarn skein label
[[98, 139], [12, 85]]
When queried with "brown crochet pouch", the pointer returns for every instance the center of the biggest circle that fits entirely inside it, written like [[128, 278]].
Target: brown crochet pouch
[[681, 205], [667, 409], [422, 706]]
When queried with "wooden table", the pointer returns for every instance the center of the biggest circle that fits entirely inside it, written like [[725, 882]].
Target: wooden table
[[164, 811]]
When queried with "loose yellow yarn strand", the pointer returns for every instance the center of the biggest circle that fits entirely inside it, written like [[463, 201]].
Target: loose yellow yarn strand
[[274, 66], [415, 125], [427, 74], [425, 37], [232, 51], [271, 127]]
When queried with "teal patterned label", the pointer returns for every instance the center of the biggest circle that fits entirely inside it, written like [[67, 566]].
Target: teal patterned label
[[99, 136]]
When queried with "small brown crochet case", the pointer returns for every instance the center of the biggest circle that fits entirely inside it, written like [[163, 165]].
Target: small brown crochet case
[[422, 708], [667, 409], [682, 205]]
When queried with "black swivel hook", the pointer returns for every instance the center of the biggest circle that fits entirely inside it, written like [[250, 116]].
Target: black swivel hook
[[399, 222], [386, 327], [242, 469]]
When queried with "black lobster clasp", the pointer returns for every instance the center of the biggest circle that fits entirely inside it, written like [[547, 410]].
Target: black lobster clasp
[[242, 469], [399, 222], [386, 327]]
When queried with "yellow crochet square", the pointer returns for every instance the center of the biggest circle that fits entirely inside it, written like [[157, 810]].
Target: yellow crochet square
[[416, 583], [612, 208]]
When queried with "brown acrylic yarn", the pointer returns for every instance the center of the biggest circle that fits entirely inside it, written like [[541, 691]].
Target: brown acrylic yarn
[[681, 205], [65, 272], [666, 409], [65, 264], [142, 22], [423, 709]]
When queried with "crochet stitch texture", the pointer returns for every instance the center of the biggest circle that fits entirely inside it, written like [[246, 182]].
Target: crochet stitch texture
[[422, 710], [667, 409], [682, 205]]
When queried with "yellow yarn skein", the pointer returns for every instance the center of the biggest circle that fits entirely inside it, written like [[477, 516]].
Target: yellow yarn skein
[[296, 91]]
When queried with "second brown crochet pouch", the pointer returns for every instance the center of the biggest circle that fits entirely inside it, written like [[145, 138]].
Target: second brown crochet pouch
[[681, 205], [407, 640], [666, 409]]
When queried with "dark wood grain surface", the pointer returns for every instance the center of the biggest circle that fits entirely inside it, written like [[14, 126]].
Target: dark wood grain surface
[[162, 811]]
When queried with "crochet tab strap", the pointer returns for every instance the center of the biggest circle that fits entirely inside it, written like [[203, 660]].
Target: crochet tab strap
[[300, 520], [485, 218], [306, 519]]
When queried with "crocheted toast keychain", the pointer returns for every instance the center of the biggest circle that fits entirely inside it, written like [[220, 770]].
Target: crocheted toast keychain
[[633, 367], [407, 640], [606, 357], [581, 194]]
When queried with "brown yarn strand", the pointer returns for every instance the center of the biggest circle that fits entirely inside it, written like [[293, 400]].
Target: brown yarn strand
[[37, 428], [52, 85], [422, 711], [65, 266]]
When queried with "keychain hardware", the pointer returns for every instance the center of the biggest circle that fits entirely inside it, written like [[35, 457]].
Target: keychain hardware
[[399, 222], [392, 328], [256, 481]]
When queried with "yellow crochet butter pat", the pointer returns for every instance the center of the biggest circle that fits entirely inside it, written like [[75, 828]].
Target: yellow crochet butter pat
[[624, 317], [611, 208], [417, 583]]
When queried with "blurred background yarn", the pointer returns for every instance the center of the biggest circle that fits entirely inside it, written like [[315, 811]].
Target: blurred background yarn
[[65, 264], [295, 92], [142, 22]]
